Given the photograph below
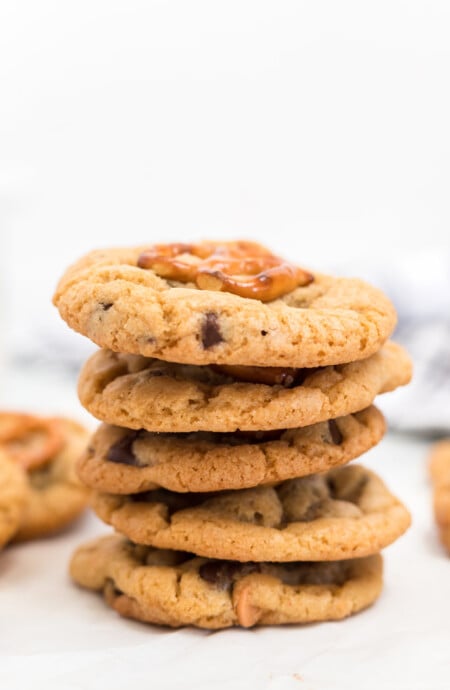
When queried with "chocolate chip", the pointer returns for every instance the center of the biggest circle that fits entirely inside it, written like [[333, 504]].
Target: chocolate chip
[[122, 450], [258, 517], [335, 432], [264, 332], [221, 574], [210, 331], [106, 305]]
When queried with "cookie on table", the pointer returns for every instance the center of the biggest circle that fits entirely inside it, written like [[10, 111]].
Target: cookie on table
[[347, 512], [13, 497], [176, 589], [440, 475], [122, 461], [45, 451], [221, 303], [141, 393]]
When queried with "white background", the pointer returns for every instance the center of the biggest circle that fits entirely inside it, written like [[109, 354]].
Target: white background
[[320, 128]]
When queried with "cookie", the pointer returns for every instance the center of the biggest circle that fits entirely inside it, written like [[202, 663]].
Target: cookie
[[45, 451], [177, 589], [141, 393], [440, 475], [122, 302], [13, 496], [127, 462], [345, 513]]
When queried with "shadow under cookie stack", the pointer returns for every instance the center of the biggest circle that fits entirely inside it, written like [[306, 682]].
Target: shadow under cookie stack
[[234, 389]]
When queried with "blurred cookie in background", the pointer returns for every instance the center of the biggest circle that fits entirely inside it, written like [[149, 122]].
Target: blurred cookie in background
[[13, 496], [440, 476], [42, 493]]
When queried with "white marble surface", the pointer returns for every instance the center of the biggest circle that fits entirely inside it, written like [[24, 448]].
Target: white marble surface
[[53, 635]]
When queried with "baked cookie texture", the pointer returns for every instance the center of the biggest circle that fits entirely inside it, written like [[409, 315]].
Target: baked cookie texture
[[440, 476], [141, 393], [345, 513], [13, 497], [176, 589], [107, 297], [121, 461], [234, 387], [42, 453]]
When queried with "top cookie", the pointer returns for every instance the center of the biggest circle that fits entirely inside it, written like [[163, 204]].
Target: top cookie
[[228, 303]]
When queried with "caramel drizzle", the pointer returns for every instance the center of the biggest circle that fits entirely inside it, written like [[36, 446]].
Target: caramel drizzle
[[243, 268]]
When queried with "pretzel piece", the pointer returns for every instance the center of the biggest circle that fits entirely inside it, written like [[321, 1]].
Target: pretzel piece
[[242, 268]]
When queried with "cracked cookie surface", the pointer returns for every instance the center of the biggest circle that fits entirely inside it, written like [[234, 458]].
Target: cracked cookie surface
[[108, 298], [121, 461], [347, 512], [54, 494], [141, 393], [440, 475], [177, 589]]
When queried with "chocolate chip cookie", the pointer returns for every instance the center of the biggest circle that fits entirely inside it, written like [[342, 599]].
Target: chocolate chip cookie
[[141, 393], [44, 451], [123, 461], [221, 303], [176, 588], [440, 475], [345, 513], [13, 497]]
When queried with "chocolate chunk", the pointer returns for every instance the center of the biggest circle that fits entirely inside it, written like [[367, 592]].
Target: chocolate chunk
[[106, 305], [335, 432], [268, 376], [251, 437], [210, 332], [300, 376], [222, 574], [173, 501], [232, 438], [122, 450], [308, 573]]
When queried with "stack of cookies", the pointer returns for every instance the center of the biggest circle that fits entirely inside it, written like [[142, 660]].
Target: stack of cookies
[[234, 388]]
